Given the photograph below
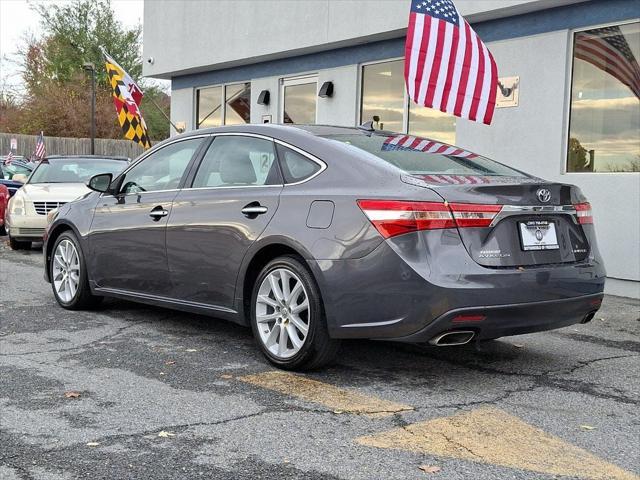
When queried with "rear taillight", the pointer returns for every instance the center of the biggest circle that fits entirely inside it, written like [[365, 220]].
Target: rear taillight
[[396, 217], [583, 212]]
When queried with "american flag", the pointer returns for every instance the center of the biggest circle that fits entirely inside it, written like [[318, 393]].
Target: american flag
[[447, 66], [607, 49], [40, 151], [9, 158], [417, 144]]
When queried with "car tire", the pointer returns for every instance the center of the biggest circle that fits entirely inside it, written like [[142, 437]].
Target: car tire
[[18, 245], [3, 231], [271, 312], [66, 259]]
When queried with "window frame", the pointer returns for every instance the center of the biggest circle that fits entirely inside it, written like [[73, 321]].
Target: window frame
[[569, 95], [223, 100], [188, 184], [285, 82]]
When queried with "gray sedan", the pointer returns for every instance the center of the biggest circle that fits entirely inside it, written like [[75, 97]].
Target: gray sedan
[[312, 234]]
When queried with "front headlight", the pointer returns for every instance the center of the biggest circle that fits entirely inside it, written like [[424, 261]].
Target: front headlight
[[16, 205]]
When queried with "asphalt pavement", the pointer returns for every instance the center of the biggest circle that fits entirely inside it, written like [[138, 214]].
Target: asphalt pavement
[[135, 392]]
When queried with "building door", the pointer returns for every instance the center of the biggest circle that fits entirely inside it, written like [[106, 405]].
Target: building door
[[298, 99]]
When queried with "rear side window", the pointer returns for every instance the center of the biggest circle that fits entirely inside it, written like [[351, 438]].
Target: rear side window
[[238, 161], [295, 166]]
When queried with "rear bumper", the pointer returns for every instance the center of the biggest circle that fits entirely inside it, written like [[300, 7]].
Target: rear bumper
[[504, 320]]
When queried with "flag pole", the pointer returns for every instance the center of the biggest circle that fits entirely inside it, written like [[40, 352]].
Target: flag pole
[[164, 114]]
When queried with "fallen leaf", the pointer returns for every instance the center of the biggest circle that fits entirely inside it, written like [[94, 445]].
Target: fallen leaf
[[92, 444], [72, 394], [170, 362], [191, 350], [602, 319], [587, 427], [518, 345], [164, 434], [162, 373], [226, 376], [338, 412], [429, 468]]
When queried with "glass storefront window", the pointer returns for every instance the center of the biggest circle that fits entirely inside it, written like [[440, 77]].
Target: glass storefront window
[[604, 131], [300, 103], [383, 95], [209, 105], [384, 102], [236, 109], [237, 104]]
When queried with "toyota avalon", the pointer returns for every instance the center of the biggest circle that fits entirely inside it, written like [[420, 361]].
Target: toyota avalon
[[313, 234]]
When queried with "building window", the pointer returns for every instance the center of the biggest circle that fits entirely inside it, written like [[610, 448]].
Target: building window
[[384, 101], [604, 130], [299, 99], [234, 109]]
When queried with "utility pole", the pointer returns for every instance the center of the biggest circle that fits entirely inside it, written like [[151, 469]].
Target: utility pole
[[90, 67]]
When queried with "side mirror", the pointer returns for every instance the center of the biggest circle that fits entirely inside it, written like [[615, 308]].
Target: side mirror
[[100, 183], [20, 177]]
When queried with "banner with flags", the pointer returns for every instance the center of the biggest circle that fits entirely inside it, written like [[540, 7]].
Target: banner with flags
[[127, 96], [447, 66], [40, 151]]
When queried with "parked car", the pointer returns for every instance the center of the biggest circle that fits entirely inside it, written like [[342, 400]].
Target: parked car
[[55, 181], [18, 168], [312, 234], [4, 199]]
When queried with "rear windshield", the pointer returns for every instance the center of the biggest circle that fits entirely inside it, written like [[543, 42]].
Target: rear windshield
[[421, 156], [74, 170]]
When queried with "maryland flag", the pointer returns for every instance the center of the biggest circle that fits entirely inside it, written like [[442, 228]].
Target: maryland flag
[[127, 97]]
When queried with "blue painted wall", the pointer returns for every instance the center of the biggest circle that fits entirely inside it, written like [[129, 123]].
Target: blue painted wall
[[559, 18]]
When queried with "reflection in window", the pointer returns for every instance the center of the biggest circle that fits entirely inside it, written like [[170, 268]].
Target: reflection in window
[[235, 110], [237, 104], [300, 103], [384, 102], [604, 133], [209, 107]]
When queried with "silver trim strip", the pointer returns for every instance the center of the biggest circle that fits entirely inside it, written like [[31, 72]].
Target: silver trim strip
[[512, 210]]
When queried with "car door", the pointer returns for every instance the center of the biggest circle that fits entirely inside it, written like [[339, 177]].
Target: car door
[[235, 193], [128, 232]]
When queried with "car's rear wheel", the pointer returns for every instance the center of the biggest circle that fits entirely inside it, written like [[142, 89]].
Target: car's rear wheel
[[18, 244], [287, 317], [69, 274]]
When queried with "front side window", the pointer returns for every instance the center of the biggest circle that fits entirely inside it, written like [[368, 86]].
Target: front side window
[[234, 160], [74, 169], [161, 170], [604, 131], [224, 105], [384, 102]]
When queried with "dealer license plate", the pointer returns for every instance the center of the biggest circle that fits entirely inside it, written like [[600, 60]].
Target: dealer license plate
[[538, 235]]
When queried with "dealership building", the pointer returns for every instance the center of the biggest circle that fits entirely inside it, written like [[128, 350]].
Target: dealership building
[[567, 111]]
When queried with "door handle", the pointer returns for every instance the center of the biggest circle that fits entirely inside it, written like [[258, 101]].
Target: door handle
[[158, 212], [251, 211]]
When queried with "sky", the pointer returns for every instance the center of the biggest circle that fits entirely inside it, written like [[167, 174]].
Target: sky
[[17, 19]]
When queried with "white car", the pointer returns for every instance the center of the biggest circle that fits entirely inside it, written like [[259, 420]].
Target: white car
[[55, 181]]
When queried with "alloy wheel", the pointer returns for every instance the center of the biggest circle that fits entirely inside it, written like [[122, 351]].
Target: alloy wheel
[[282, 313], [66, 270]]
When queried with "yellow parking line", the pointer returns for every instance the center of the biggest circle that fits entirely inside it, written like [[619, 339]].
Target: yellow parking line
[[489, 435], [337, 399]]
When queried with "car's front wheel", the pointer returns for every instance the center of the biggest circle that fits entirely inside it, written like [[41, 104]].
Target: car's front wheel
[[69, 274], [18, 245], [287, 316]]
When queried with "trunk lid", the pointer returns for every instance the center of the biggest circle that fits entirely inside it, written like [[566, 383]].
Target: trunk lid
[[537, 224]]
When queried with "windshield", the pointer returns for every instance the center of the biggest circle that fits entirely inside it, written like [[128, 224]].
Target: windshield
[[8, 171], [422, 156], [74, 170]]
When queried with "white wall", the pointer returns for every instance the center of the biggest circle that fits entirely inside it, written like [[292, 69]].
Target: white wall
[[193, 35], [532, 137], [342, 108]]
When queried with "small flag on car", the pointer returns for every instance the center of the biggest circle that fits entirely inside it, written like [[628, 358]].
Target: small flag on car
[[9, 158], [447, 66], [127, 96]]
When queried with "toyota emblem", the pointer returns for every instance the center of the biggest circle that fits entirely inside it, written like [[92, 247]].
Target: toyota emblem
[[544, 195]]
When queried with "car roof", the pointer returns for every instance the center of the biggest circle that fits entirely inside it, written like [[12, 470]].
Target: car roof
[[88, 157]]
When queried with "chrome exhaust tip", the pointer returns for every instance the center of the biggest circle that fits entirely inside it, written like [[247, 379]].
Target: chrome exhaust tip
[[455, 337]]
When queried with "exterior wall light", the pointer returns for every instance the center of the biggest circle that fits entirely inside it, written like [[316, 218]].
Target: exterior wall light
[[326, 90], [263, 98]]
